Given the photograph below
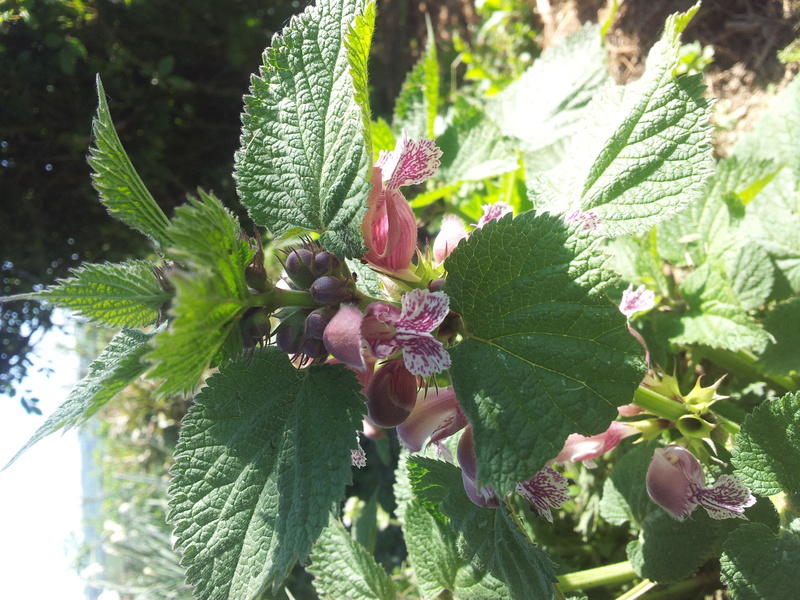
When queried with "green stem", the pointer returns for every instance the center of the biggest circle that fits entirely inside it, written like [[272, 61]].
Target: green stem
[[742, 363], [279, 298], [608, 575], [683, 589], [659, 405], [638, 590]]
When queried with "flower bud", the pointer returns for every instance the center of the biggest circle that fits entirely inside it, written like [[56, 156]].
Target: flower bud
[[342, 337], [255, 327], [289, 335], [325, 263], [299, 263], [329, 290], [314, 348], [391, 395], [317, 321]]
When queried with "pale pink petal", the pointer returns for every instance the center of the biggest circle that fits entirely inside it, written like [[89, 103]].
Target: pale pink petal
[[422, 353], [673, 480], [726, 499], [493, 212], [358, 458], [545, 490], [422, 311], [342, 337], [452, 232], [378, 331], [582, 448], [411, 162], [436, 416], [634, 301]]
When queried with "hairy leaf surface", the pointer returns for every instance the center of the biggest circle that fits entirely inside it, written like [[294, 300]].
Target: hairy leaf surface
[[545, 353], [262, 462], [116, 180], [303, 163]]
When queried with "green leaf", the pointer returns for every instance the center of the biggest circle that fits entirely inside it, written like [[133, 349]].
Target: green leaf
[[776, 135], [382, 138], [343, 569], [715, 317], [118, 365], [545, 353], [759, 565], [486, 538], [358, 42], [751, 273], [473, 148], [657, 158], [782, 356], [418, 102], [572, 72], [625, 497], [303, 163], [211, 293], [118, 295], [668, 550], [431, 550], [767, 450], [119, 185], [262, 462]]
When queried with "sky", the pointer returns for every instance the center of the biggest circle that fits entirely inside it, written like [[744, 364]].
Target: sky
[[40, 494]]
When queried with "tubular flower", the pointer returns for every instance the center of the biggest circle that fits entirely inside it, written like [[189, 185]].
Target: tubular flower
[[391, 395], [435, 416], [387, 329], [545, 490], [675, 481], [342, 337], [582, 448], [485, 496], [389, 227]]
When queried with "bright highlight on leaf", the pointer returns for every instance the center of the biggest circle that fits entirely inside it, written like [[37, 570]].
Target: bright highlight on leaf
[[303, 164]]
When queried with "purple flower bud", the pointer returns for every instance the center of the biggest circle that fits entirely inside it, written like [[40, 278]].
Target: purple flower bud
[[317, 321], [329, 290], [314, 349], [299, 263], [255, 327], [287, 340], [326, 263], [391, 394], [290, 334]]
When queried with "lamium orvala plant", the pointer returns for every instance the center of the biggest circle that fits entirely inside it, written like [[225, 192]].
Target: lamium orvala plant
[[559, 317]]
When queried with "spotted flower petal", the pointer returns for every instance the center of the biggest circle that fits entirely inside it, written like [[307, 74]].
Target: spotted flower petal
[[493, 212], [546, 490], [637, 300], [726, 499], [411, 162]]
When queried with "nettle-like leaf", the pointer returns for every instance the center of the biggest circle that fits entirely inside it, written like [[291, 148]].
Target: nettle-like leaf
[[121, 189], [554, 354], [473, 148], [209, 295], [262, 462], [659, 158], [782, 357], [343, 569], [487, 539], [118, 295], [543, 109], [759, 564], [767, 450], [625, 497], [647, 153], [118, 365], [715, 317], [418, 102], [669, 550], [358, 42], [431, 550], [303, 163]]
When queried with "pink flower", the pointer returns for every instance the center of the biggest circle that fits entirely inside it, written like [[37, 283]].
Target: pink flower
[[675, 481], [387, 329], [493, 212], [452, 232], [436, 416], [582, 448], [634, 301], [391, 394], [545, 490], [468, 462], [342, 337], [589, 220], [389, 227]]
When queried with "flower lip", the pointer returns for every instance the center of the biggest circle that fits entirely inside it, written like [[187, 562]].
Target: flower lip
[[436, 417], [546, 490]]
